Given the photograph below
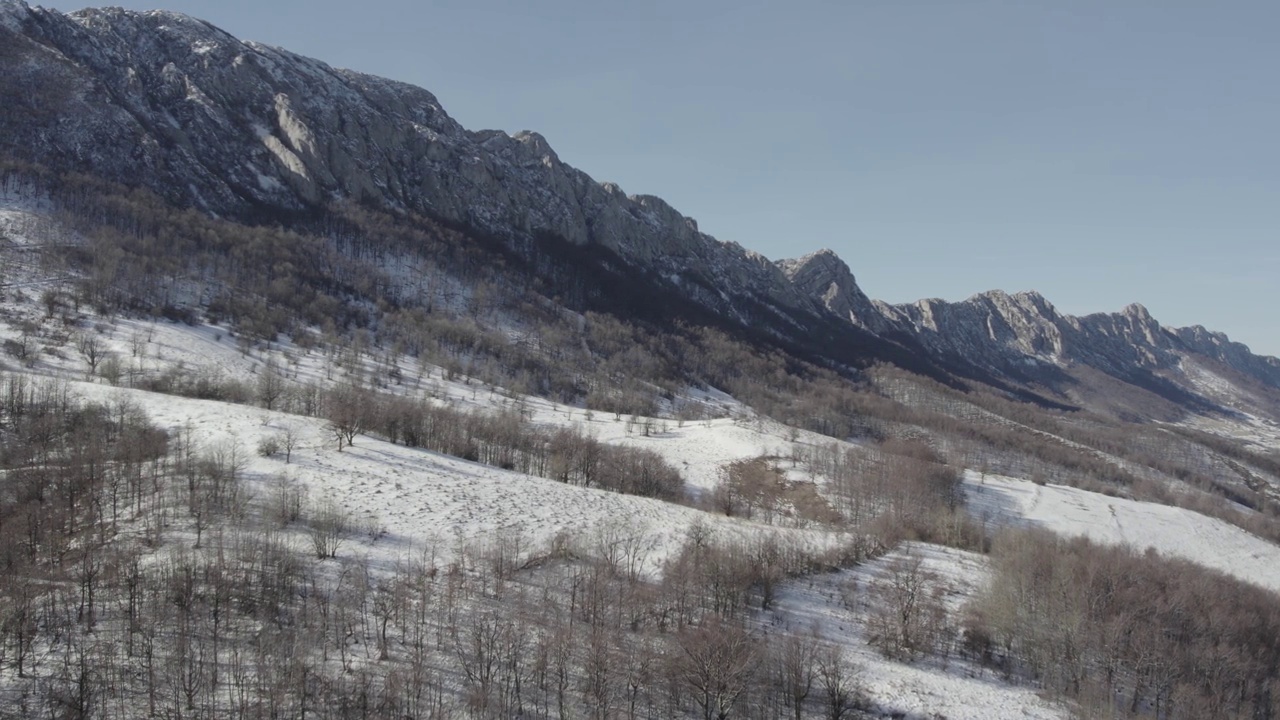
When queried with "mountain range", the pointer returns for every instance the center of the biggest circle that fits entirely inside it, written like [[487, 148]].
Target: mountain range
[[255, 133]]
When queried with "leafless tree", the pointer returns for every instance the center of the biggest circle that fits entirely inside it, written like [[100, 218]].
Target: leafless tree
[[271, 384], [839, 681], [349, 410], [908, 618], [328, 525], [794, 660], [717, 661], [289, 438], [92, 348]]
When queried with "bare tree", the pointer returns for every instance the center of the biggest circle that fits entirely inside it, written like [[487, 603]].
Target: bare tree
[[639, 658], [908, 617], [348, 411], [718, 661], [271, 384], [91, 348], [23, 348], [600, 655], [287, 500], [138, 343], [328, 527], [839, 680], [795, 663], [289, 438], [477, 653]]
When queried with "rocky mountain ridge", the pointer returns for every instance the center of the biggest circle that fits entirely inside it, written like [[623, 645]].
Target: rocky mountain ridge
[[241, 129], [1013, 331]]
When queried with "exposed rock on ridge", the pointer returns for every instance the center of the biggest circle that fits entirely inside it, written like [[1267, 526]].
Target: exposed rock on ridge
[[823, 276], [1016, 334]]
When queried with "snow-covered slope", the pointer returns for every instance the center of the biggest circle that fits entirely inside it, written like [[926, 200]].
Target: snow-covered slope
[[411, 490], [426, 500], [1170, 531], [410, 499], [420, 498]]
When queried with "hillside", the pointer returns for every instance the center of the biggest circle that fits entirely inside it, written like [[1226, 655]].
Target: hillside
[[500, 528], [315, 403]]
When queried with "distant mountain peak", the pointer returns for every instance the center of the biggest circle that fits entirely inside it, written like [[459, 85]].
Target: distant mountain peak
[[13, 13], [1137, 311]]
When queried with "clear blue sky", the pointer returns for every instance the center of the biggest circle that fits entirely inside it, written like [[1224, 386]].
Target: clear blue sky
[[1100, 151]]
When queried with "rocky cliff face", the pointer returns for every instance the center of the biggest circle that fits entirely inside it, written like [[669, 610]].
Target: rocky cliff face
[[241, 129], [177, 105]]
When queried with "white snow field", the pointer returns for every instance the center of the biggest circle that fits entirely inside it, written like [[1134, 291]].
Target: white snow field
[[426, 499], [421, 497], [697, 448], [1170, 531]]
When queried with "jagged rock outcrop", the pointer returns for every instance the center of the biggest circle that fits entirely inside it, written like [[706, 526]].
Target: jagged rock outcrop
[[822, 275], [1015, 334], [1022, 336], [1236, 355], [1009, 331], [993, 328]]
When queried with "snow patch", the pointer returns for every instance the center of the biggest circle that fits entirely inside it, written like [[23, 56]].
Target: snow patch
[[287, 158]]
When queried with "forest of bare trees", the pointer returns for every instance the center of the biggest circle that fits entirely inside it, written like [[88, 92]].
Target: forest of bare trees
[[1128, 633], [142, 577]]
